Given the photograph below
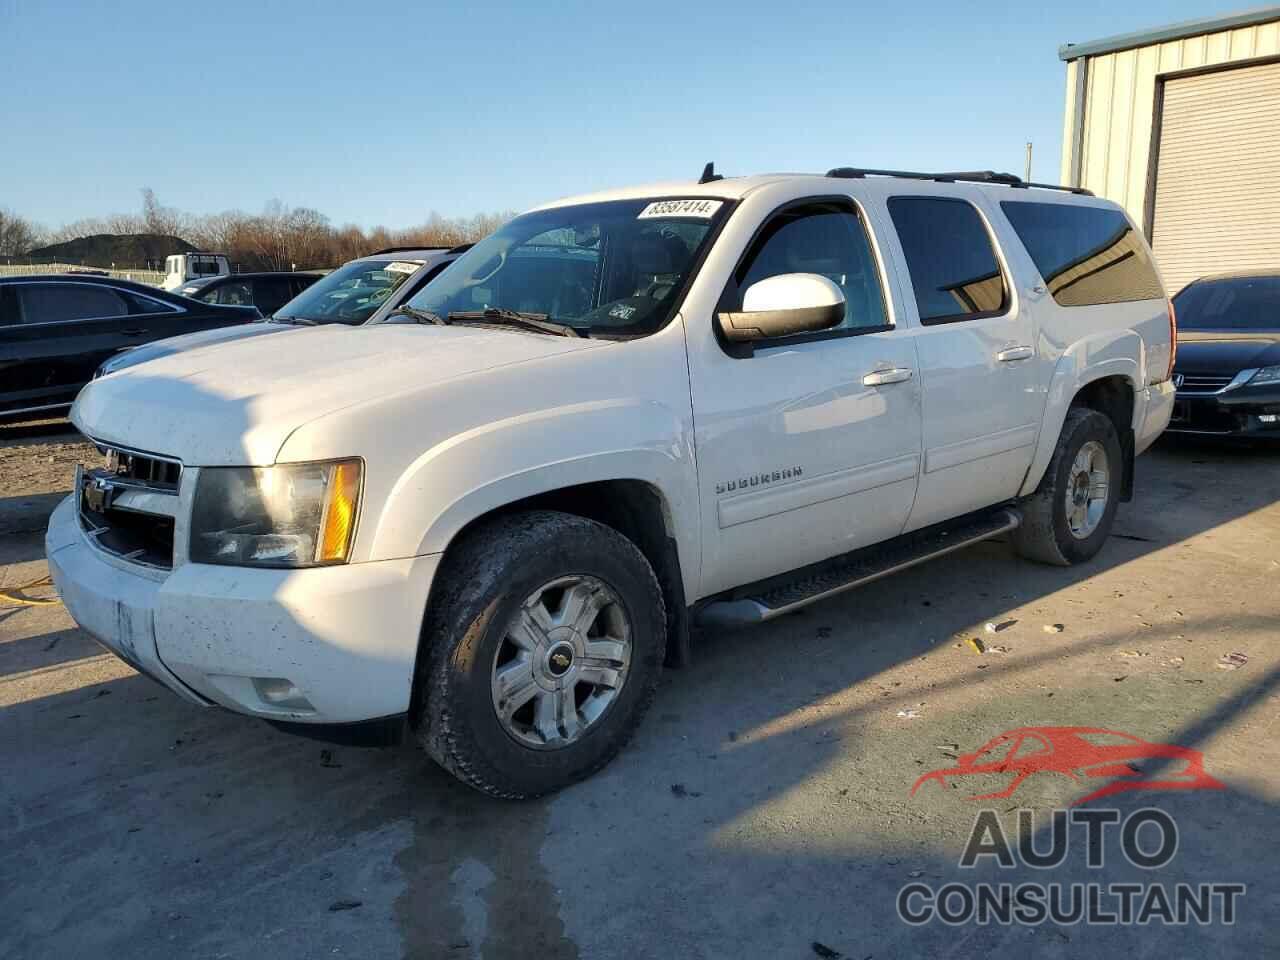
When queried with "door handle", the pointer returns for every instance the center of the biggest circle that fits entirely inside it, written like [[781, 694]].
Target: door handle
[[878, 378], [1015, 353], [134, 331]]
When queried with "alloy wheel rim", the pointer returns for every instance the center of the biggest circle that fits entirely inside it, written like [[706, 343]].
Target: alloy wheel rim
[[1088, 489], [562, 662]]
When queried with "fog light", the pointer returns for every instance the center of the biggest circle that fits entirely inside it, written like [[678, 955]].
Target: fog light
[[279, 692], [1268, 417]]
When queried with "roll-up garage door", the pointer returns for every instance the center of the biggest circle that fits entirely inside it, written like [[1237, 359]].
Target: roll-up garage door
[[1217, 196]]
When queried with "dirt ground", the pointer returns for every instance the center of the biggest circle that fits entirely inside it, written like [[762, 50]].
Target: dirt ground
[[764, 810]]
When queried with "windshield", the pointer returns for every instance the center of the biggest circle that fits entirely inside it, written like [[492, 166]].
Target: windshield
[[613, 269], [351, 293], [1235, 303]]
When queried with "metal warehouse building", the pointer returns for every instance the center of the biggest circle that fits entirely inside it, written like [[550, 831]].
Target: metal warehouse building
[[1181, 125]]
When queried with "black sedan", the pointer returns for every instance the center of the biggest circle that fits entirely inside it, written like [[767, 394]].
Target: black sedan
[[357, 292], [266, 291], [55, 330], [1227, 371]]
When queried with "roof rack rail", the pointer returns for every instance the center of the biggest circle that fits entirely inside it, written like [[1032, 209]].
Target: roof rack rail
[[461, 248], [969, 176], [418, 246]]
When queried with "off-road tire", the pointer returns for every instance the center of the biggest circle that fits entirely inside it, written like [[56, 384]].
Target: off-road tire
[[488, 576], [1044, 535]]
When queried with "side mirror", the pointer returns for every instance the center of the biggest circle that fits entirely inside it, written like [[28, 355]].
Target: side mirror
[[783, 306]]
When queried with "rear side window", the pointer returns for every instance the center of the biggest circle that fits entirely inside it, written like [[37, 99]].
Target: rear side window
[[8, 307], [57, 302], [1086, 255], [271, 293], [827, 239], [139, 304], [235, 293], [954, 270]]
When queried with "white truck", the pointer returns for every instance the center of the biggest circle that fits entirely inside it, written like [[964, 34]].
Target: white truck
[[182, 268], [492, 518]]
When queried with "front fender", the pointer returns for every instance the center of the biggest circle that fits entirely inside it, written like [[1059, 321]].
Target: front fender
[[495, 464], [1117, 353]]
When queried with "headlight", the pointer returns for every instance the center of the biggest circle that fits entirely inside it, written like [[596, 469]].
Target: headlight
[[1266, 375], [291, 515]]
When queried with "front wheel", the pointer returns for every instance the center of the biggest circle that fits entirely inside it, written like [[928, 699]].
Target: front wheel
[[1071, 514], [543, 649]]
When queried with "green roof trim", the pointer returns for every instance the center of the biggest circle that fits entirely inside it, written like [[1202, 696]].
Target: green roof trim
[[1175, 31]]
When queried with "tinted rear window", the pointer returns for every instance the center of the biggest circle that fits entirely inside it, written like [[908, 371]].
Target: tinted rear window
[[953, 267], [59, 302], [1087, 255], [1234, 303]]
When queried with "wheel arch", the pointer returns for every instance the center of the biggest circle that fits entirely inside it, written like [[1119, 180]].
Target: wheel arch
[[636, 508], [1102, 374]]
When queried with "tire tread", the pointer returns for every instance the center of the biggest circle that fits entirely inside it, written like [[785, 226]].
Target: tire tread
[[476, 567]]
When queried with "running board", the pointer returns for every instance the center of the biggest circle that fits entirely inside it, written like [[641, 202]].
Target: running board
[[775, 598]]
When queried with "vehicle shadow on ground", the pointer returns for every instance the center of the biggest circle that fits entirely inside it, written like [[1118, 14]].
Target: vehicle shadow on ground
[[144, 824], [43, 652], [23, 521]]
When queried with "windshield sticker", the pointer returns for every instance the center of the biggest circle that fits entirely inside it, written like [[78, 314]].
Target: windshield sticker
[[701, 209], [622, 312], [401, 266]]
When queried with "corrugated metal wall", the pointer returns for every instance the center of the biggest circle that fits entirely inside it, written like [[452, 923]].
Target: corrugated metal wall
[[1204, 222], [1119, 100]]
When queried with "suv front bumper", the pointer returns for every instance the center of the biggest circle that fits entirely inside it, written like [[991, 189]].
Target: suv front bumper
[[345, 636]]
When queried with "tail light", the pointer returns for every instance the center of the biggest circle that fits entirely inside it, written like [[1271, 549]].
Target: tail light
[[1173, 338]]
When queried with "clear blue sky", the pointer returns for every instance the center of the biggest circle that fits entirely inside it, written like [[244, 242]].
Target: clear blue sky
[[381, 113]]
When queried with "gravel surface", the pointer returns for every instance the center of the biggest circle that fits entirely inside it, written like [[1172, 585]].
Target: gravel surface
[[37, 466]]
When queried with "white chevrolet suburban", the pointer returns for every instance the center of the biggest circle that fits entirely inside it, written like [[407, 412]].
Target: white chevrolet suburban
[[491, 518]]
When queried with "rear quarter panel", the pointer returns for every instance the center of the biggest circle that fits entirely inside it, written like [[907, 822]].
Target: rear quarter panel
[[1077, 345], [1129, 340]]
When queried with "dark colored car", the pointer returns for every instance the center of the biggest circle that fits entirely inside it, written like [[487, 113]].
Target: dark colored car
[[266, 291], [1227, 371], [55, 331], [357, 291]]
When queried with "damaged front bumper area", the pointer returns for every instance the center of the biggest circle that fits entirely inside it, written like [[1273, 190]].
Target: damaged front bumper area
[[321, 646]]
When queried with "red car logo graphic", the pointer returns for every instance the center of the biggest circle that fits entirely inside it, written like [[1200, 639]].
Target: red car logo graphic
[[1084, 754]]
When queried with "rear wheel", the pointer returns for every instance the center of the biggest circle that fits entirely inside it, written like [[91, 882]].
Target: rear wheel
[[1071, 514], [543, 649]]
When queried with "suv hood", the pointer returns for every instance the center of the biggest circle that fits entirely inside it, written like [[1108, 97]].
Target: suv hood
[[236, 402], [187, 341]]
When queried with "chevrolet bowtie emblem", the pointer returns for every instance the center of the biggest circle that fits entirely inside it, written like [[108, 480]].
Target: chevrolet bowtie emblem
[[561, 660]]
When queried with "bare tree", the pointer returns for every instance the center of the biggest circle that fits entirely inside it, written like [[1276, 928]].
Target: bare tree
[[159, 219], [281, 236], [17, 235]]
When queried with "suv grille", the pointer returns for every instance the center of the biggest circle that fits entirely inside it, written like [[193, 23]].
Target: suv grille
[[1202, 382], [157, 472], [128, 507]]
